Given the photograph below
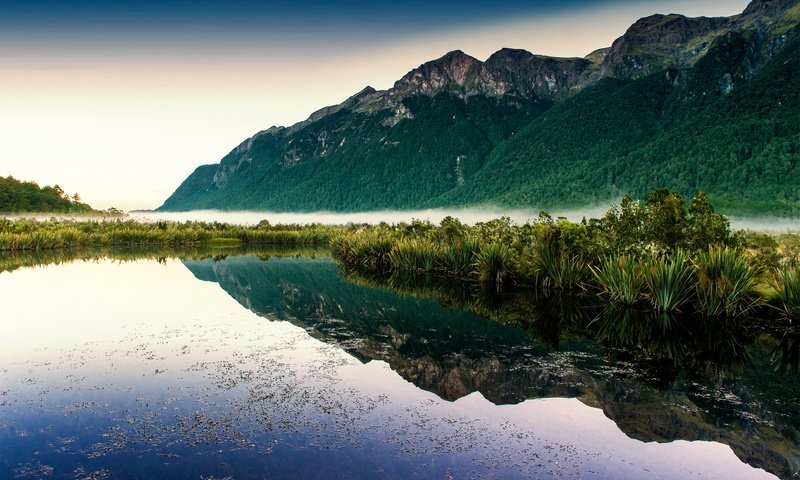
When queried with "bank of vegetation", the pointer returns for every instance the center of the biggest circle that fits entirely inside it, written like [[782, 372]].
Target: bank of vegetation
[[660, 255], [32, 235]]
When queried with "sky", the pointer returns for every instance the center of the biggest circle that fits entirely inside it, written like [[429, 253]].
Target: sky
[[121, 101]]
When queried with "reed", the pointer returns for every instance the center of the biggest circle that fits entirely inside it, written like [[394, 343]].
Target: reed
[[32, 235], [413, 256], [457, 259]]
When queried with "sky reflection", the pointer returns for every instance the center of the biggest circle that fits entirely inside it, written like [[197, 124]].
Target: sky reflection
[[135, 367]]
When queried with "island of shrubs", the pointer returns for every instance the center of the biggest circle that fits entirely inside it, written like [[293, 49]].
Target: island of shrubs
[[658, 254]]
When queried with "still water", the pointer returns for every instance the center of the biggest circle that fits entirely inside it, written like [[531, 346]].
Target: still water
[[271, 366]]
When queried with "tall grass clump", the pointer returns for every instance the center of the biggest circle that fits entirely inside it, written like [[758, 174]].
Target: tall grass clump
[[560, 270], [726, 283], [413, 256], [621, 280], [787, 287], [458, 258], [669, 280], [492, 263], [373, 250]]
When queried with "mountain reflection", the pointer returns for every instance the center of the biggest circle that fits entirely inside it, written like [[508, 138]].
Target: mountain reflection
[[660, 378]]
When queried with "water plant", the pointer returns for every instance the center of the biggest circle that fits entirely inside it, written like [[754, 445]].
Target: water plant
[[559, 269], [413, 256], [621, 279], [458, 258], [725, 283], [492, 263], [669, 280], [786, 283]]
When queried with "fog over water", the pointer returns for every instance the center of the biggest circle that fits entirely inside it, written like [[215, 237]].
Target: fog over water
[[771, 224], [466, 215]]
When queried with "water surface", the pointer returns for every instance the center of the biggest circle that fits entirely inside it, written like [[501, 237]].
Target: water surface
[[279, 367]]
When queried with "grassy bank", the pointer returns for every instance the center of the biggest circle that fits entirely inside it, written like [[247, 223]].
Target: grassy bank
[[31, 235]]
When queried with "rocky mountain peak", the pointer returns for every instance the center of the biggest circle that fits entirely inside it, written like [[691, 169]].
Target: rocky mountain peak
[[509, 58], [659, 40], [453, 68], [770, 8]]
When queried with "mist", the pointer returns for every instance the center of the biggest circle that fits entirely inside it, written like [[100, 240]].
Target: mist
[[469, 216]]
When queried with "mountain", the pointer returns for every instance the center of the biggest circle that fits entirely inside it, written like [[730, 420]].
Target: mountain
[[675, 102]]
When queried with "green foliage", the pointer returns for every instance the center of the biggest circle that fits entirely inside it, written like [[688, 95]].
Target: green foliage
[[492, 263], [671, 271], [32, 235], [412, 255], [663, 223], [458, 258], [787, 287], [726, 283], [18, 197], [621, 280], [669, 281]]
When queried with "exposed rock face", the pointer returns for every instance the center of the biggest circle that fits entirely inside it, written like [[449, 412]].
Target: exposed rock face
[[506, 72], [768, 8], [657, 41], [453, 69]]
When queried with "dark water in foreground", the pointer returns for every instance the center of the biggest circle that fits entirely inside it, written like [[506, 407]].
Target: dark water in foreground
[[243, 367]]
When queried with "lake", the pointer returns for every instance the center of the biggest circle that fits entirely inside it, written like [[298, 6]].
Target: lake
[[276, 364]]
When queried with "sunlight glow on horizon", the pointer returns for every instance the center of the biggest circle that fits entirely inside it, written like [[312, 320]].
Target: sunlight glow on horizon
[[123, 125]]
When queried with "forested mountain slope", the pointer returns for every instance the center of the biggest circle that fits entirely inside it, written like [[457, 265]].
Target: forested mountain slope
[[676, 102]]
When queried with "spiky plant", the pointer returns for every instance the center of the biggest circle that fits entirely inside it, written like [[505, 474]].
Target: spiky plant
[[786, 282], [458, 258], [725, 283], [621, 279], [561, 270], [492, 263], [669, 281]]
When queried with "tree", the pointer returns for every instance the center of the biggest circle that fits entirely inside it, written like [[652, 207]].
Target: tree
[[703, 226], [666, 217]]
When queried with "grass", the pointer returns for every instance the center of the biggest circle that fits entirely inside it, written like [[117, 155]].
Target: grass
[[31, 235], [558, 269]]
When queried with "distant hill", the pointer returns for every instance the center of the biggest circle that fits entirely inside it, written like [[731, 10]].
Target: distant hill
[[18, 197], [676, 102]]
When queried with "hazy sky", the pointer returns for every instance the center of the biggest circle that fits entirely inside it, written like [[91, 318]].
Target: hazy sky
[[120, 101]]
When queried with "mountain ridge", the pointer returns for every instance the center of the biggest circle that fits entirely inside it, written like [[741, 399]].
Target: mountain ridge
[[427, 139]]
